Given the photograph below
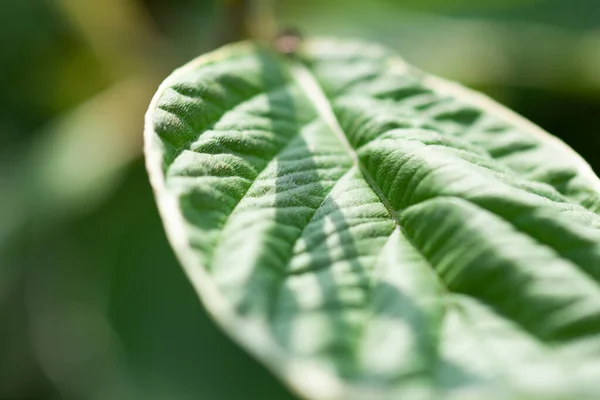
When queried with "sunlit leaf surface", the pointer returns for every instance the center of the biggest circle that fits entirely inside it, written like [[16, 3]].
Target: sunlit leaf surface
[[370, 231]]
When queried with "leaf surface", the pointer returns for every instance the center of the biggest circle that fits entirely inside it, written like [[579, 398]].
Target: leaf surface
[[370, 231]]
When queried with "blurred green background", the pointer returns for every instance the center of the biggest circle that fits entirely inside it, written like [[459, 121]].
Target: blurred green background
[[93, 304]]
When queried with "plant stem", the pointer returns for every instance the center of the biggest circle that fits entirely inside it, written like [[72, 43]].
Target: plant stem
[[249, 19], [237, 12]]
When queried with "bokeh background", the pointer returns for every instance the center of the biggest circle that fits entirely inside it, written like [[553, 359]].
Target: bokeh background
[[93, 304]]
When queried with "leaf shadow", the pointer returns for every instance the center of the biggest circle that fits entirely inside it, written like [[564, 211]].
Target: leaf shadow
[[329, 329]]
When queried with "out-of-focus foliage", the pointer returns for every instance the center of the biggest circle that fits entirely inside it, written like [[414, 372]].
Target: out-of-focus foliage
[[92, 302]]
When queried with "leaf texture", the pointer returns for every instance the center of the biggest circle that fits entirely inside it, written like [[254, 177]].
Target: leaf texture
[[369, 231]]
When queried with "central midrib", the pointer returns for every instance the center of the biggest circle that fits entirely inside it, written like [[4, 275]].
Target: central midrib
[[306, 80]]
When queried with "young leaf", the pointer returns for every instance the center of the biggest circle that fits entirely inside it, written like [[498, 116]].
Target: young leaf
[[372, 232]]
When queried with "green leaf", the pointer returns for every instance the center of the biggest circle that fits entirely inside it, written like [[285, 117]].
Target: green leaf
[[369, 231]]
